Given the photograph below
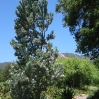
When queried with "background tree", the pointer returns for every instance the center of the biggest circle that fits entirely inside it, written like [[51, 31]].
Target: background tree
[[34, 70], [82, 18]]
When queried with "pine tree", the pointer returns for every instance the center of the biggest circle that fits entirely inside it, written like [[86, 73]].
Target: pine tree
[[34, 70]]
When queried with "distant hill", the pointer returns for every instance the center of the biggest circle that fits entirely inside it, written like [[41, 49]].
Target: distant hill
[[61, 55], [2, 65], [73, 55], [66, 55]]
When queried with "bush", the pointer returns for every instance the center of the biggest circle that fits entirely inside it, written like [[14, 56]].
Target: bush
[[58, 93], [52, 92], [4, 90], [79, 72]]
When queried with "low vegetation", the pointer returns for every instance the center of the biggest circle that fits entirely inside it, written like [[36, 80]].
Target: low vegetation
[[79, 72]]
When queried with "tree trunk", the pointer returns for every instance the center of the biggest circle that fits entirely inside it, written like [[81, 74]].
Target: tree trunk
[[38, 94]]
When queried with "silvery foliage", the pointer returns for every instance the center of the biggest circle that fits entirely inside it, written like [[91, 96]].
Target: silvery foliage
[[40, 68], [39, 72], [19, 83]]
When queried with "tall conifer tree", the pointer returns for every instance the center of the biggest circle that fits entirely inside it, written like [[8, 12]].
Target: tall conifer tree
[[33, 72]]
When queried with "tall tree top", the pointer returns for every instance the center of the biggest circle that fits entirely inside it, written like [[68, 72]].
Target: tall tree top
[[31, 26]]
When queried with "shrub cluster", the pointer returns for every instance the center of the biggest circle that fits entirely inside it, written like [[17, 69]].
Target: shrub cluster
[[79, 72]]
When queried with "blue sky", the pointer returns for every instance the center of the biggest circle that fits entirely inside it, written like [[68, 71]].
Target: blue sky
[[64, 41]]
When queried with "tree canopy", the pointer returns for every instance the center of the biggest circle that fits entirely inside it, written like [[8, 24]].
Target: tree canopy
[[82, 18]]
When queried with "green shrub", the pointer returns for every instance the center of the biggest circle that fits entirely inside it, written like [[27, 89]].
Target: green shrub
[[79, 72], [4, 90], [52, 92]]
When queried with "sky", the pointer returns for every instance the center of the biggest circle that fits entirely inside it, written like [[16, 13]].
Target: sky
[[63, 41]]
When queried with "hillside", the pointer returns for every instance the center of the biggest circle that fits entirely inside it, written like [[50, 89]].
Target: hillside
[[66, 55], [2, 65], [61, 55]]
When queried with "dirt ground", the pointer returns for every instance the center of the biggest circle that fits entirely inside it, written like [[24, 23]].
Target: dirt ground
[[82, 96]]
